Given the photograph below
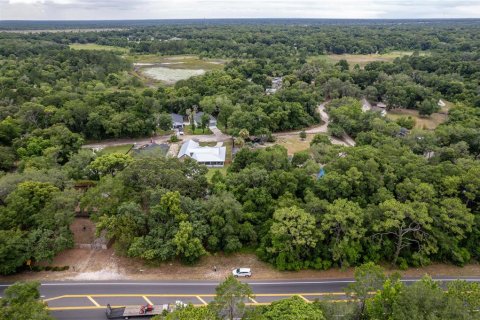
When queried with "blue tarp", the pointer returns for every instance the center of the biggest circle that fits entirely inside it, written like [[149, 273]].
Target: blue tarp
[[321, 173]]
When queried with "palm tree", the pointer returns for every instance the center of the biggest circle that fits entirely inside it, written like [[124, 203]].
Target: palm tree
[[244, 134]]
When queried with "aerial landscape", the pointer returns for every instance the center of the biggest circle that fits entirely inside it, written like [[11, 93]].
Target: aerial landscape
[[239, 160]]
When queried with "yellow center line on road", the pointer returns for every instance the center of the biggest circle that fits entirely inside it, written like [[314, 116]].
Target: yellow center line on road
[[147, 300], [189, 295], [203, 301], [200, 297], [99, 307], [93, 301]]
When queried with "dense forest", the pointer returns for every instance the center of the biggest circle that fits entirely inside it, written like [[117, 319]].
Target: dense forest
[[405, 199]]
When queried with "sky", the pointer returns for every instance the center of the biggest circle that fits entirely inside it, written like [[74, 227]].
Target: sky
[[199, 9]]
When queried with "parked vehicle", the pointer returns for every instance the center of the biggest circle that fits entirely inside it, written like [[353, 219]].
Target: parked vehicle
[[143, 311], [242, 272]]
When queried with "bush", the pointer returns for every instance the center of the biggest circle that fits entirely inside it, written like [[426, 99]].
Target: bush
[[406, 122]]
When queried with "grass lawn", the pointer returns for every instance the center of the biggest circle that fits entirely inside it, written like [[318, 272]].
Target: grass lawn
[[294, 144], [421, 122], [211, 172], [161, 132], [361, 59], [116, 149], [94, 46], [198, 131]]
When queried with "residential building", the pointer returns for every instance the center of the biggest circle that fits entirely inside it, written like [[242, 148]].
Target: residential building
[[177, 121], [209, 156]]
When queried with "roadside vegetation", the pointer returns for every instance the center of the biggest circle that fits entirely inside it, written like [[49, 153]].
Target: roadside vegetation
[[406, 194]]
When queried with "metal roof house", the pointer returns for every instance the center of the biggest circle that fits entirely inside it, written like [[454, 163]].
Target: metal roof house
[[209, 156], [177, 121]]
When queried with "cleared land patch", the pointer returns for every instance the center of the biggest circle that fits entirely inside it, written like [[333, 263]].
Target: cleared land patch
[[170, 69], [94, 46], [178, 62], [294, 144], [362, 59], [421, 122], [169, 75]]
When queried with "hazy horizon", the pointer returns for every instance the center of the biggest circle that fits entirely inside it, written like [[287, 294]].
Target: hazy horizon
[[76, 10]]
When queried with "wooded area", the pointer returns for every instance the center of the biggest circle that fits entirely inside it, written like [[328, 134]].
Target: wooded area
[[405, 199]]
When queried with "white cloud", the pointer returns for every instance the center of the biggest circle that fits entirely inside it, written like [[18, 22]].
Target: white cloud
[[163, 9]]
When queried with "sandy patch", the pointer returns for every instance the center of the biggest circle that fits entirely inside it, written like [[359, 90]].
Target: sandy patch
[[171, 76]]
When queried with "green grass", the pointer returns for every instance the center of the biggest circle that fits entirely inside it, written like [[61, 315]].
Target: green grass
[[116, 149], [161, 132], [94, 46], [211, 172], [361, 59], [429, 123], [198, 131]]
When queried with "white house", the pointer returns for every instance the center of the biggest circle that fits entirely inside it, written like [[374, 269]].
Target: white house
[[209, 156]]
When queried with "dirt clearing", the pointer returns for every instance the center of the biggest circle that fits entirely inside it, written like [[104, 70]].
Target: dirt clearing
[[294, 144], [106, 265], [429, 123]]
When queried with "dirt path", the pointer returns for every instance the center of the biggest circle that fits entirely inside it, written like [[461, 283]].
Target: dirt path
[[106, 265], [158, 139], [322, 128]]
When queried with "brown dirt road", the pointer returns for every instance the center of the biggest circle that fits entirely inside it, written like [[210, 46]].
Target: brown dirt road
[[106, 265]]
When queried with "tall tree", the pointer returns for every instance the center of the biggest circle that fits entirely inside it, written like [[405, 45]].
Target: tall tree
[[342, 227], [231, 295], [368, 277], [293, 235], [406, 223], [20, 302]]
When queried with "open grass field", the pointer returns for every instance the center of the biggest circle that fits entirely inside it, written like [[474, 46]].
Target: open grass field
[[361, 59], [116, 149], [211, 172], [94, 46], [294, 144], [421, 122], [170, 69]]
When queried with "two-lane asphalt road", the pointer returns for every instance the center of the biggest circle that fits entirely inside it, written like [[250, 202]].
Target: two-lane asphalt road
[[87, 300]]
